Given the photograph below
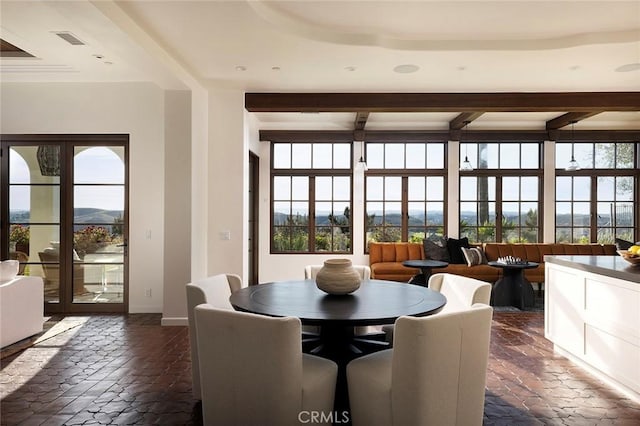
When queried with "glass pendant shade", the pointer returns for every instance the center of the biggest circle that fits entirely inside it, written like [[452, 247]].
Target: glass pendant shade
[[362, 165], [466, 165], [573, 164]]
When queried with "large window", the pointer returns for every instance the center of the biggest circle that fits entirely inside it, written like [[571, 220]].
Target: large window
[[311, 198], [596, 203], [405, 191], [500, 197]]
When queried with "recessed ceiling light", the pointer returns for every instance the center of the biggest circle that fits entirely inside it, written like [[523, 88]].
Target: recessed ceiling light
[[628, 67], [574, 67], [98, 56], [108, 63], [406, 68], [350, 68], [275, 68], [461, 68], [241, 68]]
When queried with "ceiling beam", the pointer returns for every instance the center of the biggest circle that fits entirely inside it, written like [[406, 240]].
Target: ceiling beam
[[463, 119], [361, 120], [415, 136], [568, 118], [443, 102]]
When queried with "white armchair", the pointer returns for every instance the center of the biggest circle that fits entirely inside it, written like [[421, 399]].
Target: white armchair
[[215, 291], [253, 372], [434, 375], [461, 293]]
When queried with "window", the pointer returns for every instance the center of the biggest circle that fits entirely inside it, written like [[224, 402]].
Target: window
[[596, 203], [505, 184], [405, 191], [311, 198]]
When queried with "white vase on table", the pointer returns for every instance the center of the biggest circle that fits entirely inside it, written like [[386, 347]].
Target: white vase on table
[[338, 276]]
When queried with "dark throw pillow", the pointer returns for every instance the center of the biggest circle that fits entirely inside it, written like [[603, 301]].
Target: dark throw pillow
[[436, 249], [455, 250], [623, 244]]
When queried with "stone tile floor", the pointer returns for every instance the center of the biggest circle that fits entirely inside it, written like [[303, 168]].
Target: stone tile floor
[[127, 369]]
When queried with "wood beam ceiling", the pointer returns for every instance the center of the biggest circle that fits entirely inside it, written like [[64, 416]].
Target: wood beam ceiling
[[579, 102], [463, 119], [410, 136], [568, 118]]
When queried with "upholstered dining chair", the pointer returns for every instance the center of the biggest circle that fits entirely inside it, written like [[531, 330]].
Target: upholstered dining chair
[[310, 271], [253, 372], [214, 290], [461, 292], [434, 375]]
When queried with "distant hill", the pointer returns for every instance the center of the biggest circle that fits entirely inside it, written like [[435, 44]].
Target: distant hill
[[81, 215]]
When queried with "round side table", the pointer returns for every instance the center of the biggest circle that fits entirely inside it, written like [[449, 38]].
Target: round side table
[[513, 289]]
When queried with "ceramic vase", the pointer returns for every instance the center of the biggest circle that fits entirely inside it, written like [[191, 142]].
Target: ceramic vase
[[337, 276], [9, 269]]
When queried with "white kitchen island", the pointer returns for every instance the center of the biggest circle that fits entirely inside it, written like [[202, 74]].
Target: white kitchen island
[[592, 316]]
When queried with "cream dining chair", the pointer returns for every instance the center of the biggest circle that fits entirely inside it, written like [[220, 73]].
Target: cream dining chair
[[434, 375], [461, 292], [253, 372], [214, 290]]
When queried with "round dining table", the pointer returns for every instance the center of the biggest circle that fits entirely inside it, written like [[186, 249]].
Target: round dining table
[[376, 302]]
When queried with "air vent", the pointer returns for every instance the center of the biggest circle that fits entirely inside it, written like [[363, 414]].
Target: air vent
[[70, 38]]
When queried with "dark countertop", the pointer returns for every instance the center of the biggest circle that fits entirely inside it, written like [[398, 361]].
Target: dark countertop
[[611, 266]]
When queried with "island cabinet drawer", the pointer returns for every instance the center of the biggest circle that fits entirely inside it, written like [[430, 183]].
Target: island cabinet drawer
[[613, 306], [614, 356]]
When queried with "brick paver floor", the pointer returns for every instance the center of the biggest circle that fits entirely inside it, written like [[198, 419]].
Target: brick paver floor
[[127, 369]]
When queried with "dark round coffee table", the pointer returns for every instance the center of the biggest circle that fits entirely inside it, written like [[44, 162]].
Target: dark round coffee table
[[513, 289], [425, 266]]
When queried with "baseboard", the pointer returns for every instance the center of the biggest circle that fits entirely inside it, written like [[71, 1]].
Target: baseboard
[[168, 321], [143, 309]]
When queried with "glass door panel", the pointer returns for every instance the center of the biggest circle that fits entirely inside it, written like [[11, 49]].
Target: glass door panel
[[34, 214], [99, 235]]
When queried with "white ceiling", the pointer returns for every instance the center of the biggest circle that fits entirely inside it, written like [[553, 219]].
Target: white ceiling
[[338, 46]]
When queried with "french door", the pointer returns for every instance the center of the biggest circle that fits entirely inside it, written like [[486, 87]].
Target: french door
[[65, 217]]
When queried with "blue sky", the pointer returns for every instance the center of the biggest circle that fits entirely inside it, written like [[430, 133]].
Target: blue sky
[[97, 165]]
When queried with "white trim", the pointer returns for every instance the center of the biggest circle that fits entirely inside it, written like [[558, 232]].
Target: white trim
[[145, 309], [169, 321]]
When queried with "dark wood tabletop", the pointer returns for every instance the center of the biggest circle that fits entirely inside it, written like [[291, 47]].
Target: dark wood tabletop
[[375, 302]]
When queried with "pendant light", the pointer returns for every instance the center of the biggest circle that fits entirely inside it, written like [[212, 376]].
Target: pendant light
[[466, 164], [362, 164], [573, 164]]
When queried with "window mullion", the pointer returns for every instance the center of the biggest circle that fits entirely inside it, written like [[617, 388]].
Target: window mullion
[[499, 215], [405, 209], [312, 214], [593, 209]]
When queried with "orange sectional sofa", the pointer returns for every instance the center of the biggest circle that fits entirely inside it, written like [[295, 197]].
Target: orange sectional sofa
[[385, 259]]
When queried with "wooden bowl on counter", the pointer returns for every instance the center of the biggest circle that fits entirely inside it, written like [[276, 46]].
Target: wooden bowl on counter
[[633, 259]]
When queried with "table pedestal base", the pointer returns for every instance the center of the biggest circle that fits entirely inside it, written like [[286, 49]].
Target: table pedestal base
[[513, 289], [339, 344]]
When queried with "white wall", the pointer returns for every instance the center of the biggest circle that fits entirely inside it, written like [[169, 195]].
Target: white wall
[[177, 205], [228, 158], [133, 108]]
